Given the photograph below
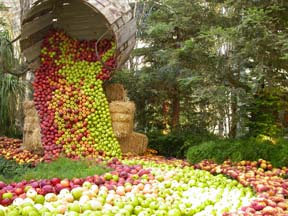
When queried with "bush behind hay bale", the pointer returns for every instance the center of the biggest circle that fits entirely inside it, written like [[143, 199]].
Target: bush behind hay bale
[[135, 143], [125, 107], [115, 92]]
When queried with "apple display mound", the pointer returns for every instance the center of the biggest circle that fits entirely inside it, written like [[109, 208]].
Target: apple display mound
[[70, 100], [153, 185], [133, 187]]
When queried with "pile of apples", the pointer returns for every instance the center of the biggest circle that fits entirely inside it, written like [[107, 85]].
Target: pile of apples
[[70, 100], [267, 182], [155, 186], [11, 149], [133, 187]]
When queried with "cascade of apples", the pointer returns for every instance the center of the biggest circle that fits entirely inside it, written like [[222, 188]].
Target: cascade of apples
[[69, 97]]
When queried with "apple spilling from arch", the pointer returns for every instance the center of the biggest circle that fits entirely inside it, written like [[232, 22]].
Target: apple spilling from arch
[[70, 100]]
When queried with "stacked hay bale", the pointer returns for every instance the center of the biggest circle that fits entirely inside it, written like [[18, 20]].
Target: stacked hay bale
[[122, 115], [32, 131]]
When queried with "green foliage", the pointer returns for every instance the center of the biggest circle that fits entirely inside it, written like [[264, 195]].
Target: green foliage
[[61, 168], [280, 154], [177, 142], [7, 58], [235, 150], [264, 112], [212, 56], [9, 169], [12, 91], [12, 88]]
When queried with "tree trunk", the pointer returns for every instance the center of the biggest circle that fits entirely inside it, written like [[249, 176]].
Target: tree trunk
[[233, 127], [220, 127], [175, 110]]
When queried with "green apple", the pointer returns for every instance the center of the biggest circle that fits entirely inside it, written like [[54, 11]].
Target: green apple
[[39, 199], [160, 213], [95, 204], [129, 207], [2, 212], [133, 200], [75, 207], [87, 185], [174, 212], [108, 176], [27, 209], [153, 205], [31, 193], [137, 209], [86, 206], [72, 213], [77, 192], [34, 213], [7, 195], [115, 178], [96, 213], [43, 210], [46, 214]]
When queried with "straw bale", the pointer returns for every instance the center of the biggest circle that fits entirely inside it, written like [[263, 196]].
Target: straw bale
[[125, 107], [135, 143], [32, 141], [120, 117], [29, 108], [32, 131], [115, 92], [122, 129], [30, 123]]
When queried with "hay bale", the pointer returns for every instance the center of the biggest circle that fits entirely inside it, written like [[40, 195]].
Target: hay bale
[[29, 108], [29, 123], [32, 131], [32, 140], [135, 143], [125, 107], [115, 92], [122, 116], [122, 129]]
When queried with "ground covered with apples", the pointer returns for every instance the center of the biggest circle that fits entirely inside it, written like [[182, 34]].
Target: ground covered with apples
[[148, 185]]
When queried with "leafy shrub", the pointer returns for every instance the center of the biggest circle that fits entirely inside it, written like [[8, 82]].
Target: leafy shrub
[[176, 143], [280, 153], [10, 169], [235, 150]]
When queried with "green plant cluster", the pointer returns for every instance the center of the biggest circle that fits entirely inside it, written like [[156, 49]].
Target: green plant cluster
[[240, 149], [9, 168], [264, 112], [62, 168], [177, 142]]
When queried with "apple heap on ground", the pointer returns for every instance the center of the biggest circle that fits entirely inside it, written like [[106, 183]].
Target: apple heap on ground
[[11, 149], [134, 187], [268, 183], [70, 99], [155, 185]]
